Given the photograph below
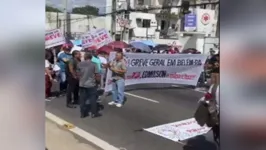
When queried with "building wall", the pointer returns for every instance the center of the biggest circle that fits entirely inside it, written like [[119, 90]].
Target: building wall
[[139, 31]]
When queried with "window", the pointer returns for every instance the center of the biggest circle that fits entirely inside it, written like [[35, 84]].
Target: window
[[140, 2], [139, 22], [173, 26], [143, 23], [146, 23], [162, 24], [203, 6]]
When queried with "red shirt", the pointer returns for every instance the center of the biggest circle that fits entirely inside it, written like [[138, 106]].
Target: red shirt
[[171, 51]]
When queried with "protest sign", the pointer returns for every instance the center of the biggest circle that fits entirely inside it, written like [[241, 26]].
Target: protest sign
[[179, 131], [160, 68], [87, 40], [54, 38], [96, 38]]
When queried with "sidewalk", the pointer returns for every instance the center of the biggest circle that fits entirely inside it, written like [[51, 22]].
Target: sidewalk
[[58, 138]]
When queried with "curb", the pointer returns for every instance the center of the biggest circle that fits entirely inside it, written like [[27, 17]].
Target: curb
[[87, 136]]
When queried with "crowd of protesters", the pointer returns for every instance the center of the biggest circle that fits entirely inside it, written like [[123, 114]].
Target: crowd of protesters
[[80, 75]]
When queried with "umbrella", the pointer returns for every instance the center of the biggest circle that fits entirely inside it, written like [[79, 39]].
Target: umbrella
[[148, 42], [76, 42], [76, 48], [161, 47], [190, 50], [118, 44], [106, 49], [143, 47]]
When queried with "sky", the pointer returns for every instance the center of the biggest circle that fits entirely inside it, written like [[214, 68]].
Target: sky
[[78, 3]]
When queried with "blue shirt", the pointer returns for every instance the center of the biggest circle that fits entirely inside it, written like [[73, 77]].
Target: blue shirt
[[61, 63], [98, 63]]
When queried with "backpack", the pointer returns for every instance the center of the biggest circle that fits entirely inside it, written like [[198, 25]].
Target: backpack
[[208, 114], [213, 118]]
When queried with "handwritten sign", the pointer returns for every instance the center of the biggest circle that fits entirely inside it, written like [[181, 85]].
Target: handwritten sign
[[96, 38], [54, 38], [87, 40], [179, 131]]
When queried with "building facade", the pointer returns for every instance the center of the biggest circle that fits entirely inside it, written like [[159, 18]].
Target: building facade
[[77, 24]]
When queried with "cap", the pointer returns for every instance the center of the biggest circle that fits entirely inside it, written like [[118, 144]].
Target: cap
[[67, 46]]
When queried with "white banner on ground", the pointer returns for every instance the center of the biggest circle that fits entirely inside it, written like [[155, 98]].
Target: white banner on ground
[[142, 68], [179, 131], [54, 38], [96, 38]]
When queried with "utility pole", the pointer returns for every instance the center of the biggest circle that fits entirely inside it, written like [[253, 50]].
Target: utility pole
[[218, 22], [65, 14], [127, 17], [57, 20], [113, 20], [67, 22]]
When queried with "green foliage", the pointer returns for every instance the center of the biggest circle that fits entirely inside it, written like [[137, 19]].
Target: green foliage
[[51, 9], [86, 10]]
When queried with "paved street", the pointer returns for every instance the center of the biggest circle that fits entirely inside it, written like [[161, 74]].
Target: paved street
[[58, 138], [147, 107]]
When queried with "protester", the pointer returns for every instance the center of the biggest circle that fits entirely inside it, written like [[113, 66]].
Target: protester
[[88, 75], [73, 80], [102, 57], [50, 56], [214, 64], [48, 76], [138, 51], [118, 68], [172, 50], [212, 53], [63, 58], [95, 59], [207, 112]]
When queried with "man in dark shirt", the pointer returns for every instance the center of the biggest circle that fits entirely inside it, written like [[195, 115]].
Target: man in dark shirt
[[214, 64], [88, 75], [72, 79]]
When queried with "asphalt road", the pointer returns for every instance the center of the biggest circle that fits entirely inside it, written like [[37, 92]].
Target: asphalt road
[[122, 127]]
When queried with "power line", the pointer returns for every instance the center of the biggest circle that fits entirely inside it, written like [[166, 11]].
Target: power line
[[139, 10]]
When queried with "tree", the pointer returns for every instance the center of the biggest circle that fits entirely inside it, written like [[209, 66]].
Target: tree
[[51, 9], [86, 10]]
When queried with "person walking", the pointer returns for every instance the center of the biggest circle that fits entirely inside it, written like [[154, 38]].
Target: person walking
[[118, 68], [214, 64], [102, 57], [48, 77], [63, 57], [72, 80], [88, 75]]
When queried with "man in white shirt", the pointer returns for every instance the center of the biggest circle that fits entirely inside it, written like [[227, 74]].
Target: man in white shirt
[[48, 79], [102, 57]]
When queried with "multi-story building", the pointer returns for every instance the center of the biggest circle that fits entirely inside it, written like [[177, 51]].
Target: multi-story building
[[154, 24]]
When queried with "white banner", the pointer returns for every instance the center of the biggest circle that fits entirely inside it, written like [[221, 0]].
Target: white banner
[[160, 68], [96, 38], [179, 131], [54, 38]]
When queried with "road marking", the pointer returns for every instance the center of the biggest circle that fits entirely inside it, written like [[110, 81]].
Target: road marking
[[199, 90], [89, 137], [141, 97], [174, 85], [196, 89]]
